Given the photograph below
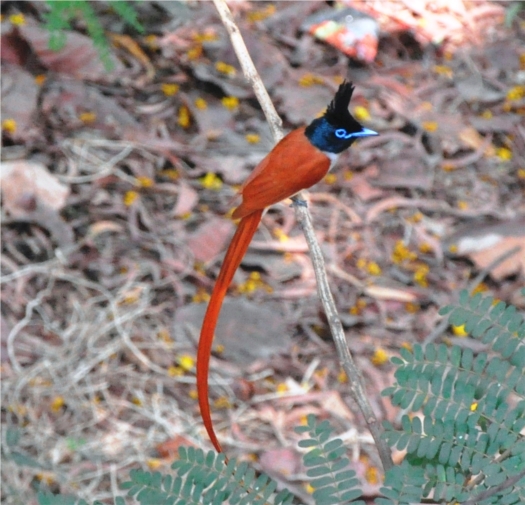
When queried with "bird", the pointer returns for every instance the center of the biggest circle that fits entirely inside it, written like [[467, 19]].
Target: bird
[[297, 162]]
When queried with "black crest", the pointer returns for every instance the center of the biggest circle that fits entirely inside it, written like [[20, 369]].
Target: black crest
[[337, 113]]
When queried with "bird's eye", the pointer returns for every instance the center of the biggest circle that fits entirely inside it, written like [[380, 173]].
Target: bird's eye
[[341, 133]]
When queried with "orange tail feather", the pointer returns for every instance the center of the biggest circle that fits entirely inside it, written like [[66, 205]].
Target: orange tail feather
[[236, 251]]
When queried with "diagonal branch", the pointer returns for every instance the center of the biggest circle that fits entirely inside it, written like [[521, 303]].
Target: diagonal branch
[[304, 217]]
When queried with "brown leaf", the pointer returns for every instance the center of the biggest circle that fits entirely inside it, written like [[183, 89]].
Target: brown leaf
[[79, 57], [186, 201], [486, 243], [247, 330], [210, 238], [19, 96], [24, 182]]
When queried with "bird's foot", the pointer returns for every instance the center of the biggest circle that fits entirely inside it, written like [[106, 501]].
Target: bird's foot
[[298, 201]]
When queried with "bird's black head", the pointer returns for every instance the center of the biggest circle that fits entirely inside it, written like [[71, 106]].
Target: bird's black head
[[337, 129]]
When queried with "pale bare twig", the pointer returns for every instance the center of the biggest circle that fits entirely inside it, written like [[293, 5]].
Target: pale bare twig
[[304, 217]]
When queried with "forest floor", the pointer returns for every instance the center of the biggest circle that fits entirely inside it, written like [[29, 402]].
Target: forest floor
[[116, 188]]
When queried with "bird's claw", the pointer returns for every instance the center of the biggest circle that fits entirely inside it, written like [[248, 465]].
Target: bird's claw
[[298, 201]]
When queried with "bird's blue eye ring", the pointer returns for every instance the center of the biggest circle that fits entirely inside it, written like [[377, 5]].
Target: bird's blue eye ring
[[341, 133]]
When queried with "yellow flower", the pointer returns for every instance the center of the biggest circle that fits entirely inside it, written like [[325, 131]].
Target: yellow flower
[[17, 19], [201, 104], [211, 181], [57, 403], [201, 296], [136, 401], [219, 348], [145, 182], [474, 406], [443, 70], [9, 125], [330, 178], [486, 114], [171, 173], [175, 371], [373, 268], [516, 93], [224, 68], [342, 377], [194, 53], [184, 118], [309, 488], [453, 248], [130, 197], [206, 36], [280, 235], [186, 362], [420, 275], [230, 102], [40, 79], [380, 357], [425, 248], [87, 117], [462, 204], [154, 463], [459, 331], [361, 113], [261, 14], [253, 283], [429, 126], [152, 41], [402, 253], [372, 475], [193, 394], [281, 388], [252, 138], [521, 173], [308, 80], [411, 307], [222, 403], [407, 346], [348, 174], [164, 335], [169, 89], [448, 167], [504, 153]]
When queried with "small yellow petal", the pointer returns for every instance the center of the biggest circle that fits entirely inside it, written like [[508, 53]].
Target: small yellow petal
[[224, 68], [380, 357], [429, 126], [211, 181], [87, 117], [459, 331], [252, 138], [130, 197], [17, 19], [184, 118], [201, 104], [361, 113], [57, 403], [230, 102], [330, 179], [169, 89], [186, 362], [9, 125], [504, 153], [145, 182], [373, 268]]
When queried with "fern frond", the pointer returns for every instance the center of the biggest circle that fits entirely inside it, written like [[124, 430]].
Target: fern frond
[[204, 479], [60, 15], [334, 482], [473, 407]]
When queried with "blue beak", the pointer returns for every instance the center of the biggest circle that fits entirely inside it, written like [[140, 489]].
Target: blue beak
[[365, 132]]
